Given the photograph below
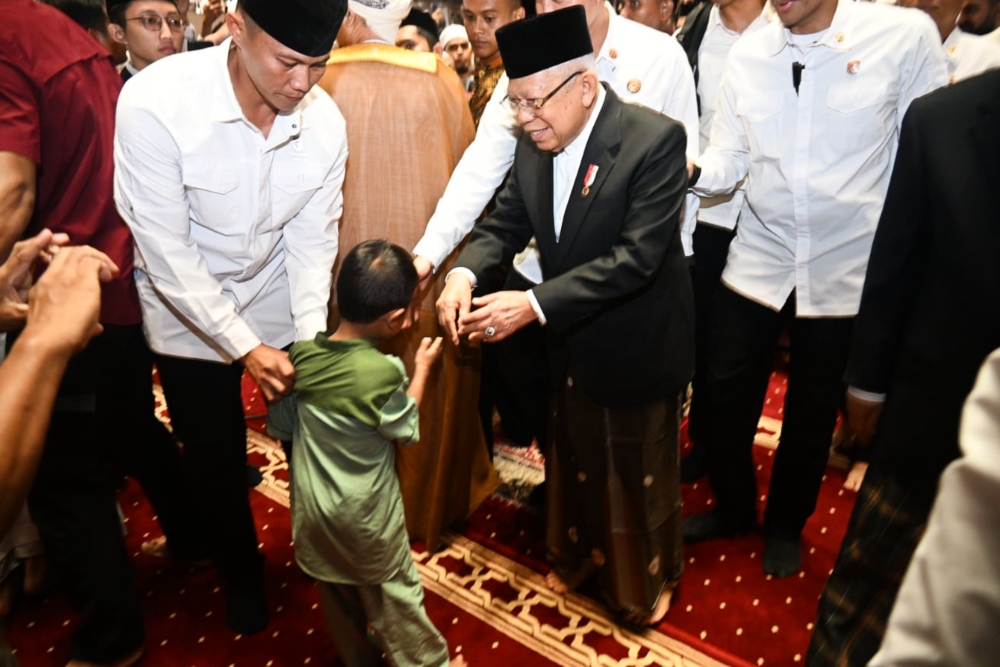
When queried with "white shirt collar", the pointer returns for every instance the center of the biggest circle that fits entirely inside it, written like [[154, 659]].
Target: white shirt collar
[[613, 19], [226, 108], [950, 45], [575, 149], [837, 36]]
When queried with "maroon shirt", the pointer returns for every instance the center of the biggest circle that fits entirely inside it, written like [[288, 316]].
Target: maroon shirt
[[58, 91]]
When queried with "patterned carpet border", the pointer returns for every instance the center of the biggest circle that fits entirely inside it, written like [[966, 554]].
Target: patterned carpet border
[[566, 646]]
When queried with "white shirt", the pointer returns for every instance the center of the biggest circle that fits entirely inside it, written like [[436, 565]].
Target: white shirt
[[722, 210], [633, 56], [235, 233], [948, 606], [818, 162], [994, 36], [968, 55]]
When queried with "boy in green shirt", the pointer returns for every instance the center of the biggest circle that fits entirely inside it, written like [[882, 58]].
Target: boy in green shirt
[[351, 404]]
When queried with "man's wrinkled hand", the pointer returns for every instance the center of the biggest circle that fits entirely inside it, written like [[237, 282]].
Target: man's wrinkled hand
[[862, 418], [454, 303], [64, 305], [271, 370], [497, 316]]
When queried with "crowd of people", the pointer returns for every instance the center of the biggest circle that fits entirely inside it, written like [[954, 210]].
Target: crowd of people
[[566, 214]]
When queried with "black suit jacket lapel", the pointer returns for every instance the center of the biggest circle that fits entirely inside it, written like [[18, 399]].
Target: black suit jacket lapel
[[601, 150], [545, 233]]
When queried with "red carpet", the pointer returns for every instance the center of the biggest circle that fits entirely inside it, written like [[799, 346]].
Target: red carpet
[[484, 591]]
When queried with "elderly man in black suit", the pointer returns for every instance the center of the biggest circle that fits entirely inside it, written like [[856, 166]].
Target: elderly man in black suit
[[929, 316], [600, 184]]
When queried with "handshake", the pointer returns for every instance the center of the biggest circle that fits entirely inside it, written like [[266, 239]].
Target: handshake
[[61, 310]]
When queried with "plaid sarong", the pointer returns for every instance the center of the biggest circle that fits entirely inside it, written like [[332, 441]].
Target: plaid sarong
[[886, 525]]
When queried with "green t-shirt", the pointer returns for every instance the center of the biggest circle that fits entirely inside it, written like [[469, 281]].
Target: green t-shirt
[[350, 406]]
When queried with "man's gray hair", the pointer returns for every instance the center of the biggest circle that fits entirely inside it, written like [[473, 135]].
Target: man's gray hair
[[582, 63]]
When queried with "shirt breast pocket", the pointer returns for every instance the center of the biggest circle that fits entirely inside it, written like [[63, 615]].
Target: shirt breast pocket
[[294, 183], [763, 122], [211, 191], [854, 117]]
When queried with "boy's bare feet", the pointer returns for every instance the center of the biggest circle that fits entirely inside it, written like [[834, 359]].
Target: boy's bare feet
[[458, 661], [660, 609], [856, 476]]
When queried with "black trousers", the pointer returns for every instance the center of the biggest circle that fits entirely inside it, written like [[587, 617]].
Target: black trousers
[[103, 425], [738, 366], [711, 247], [206, 411]]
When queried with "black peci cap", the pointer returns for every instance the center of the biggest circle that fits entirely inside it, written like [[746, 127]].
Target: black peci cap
[[308, 27], [536, 44]]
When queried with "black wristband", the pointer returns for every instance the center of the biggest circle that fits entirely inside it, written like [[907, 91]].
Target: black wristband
[[695, 175]]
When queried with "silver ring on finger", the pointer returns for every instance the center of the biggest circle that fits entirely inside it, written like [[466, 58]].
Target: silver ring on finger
[[490, 332]]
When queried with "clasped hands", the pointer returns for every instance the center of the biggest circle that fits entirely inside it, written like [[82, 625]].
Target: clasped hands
[[61, 310], [496, 316]]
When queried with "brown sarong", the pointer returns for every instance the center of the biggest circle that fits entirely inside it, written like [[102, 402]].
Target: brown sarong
[[614, 502]]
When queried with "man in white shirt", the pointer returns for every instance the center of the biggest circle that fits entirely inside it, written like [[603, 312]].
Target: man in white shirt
[[966, 54], [709, 33], [234, 205], [809, 112]]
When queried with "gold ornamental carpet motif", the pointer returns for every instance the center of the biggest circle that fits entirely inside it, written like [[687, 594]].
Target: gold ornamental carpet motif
[[513, 599]]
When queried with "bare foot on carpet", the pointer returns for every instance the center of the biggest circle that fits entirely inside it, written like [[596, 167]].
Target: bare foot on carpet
[[458, 661], [659, 610], [565, 583], [556, 584], [856, 476]]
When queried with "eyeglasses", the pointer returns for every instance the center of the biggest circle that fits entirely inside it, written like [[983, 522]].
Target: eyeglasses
[[533, 106], [154, 22]]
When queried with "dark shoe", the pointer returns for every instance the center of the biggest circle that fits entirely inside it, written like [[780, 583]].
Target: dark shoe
[[782, 556], [246, 609], [714, 524], [693, 466], [253, 476]]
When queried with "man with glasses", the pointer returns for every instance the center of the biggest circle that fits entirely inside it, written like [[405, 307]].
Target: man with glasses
[[455, 42], [600, 184], [149, 29], [642, 66]]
